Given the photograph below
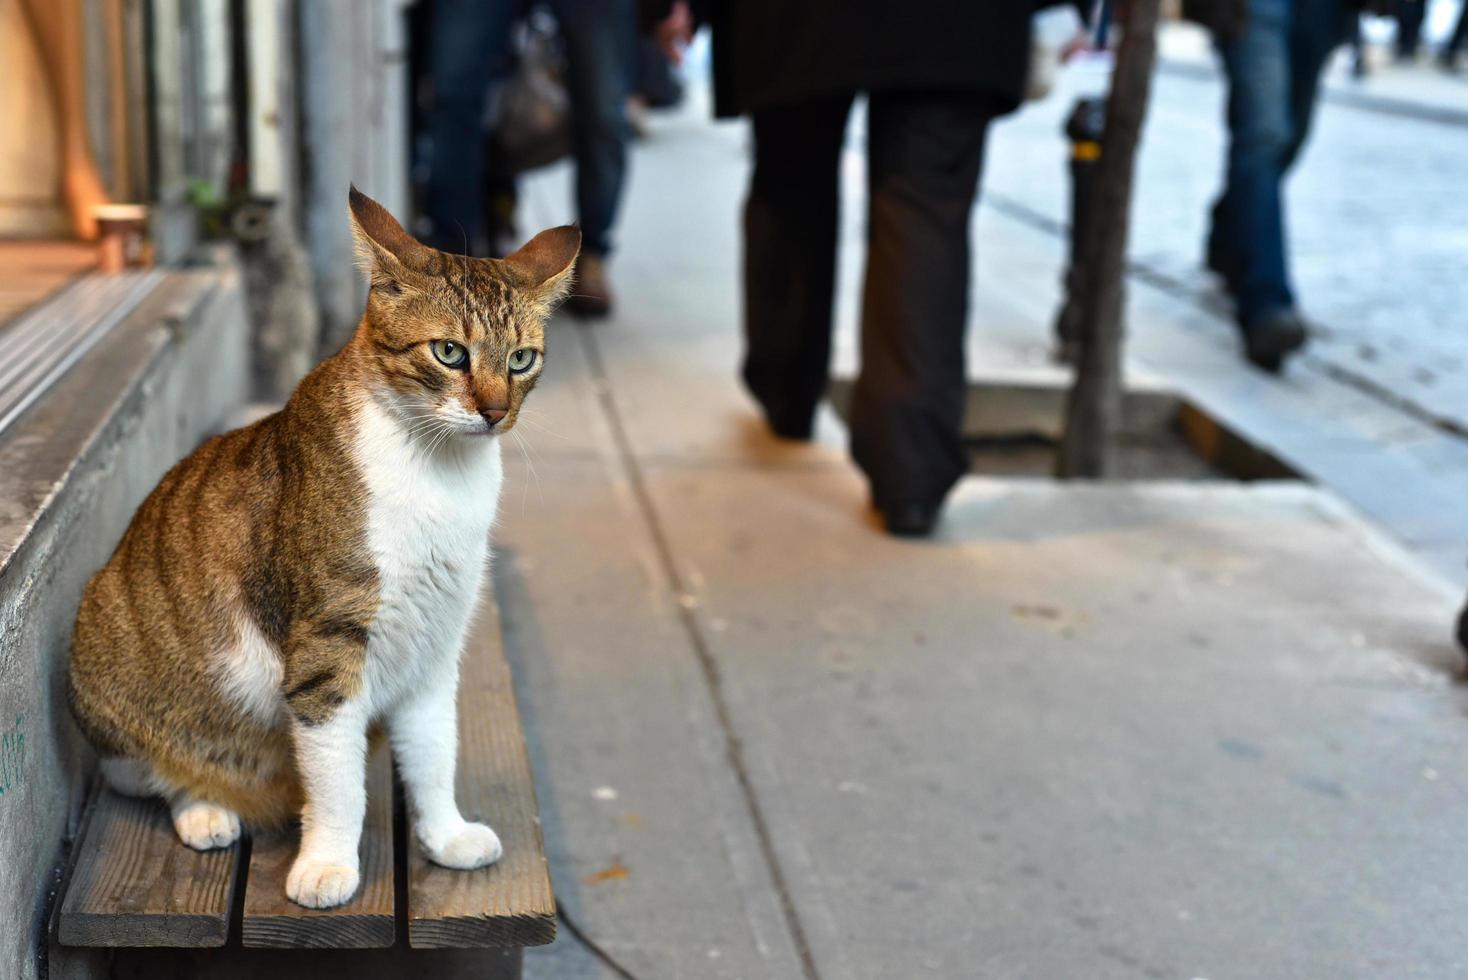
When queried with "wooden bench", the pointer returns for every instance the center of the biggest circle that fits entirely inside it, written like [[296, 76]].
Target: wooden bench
[[167, 910]]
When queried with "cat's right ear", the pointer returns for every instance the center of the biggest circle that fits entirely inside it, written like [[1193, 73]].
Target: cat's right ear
[[544, 266], [388, 254]]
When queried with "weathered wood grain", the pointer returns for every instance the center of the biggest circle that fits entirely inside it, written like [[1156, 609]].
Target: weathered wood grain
[[366, 922], [509, 903], [134, 883]]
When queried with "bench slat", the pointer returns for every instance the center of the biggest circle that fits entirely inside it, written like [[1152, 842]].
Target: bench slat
[[366, 922], [134, 883], [509, 903]]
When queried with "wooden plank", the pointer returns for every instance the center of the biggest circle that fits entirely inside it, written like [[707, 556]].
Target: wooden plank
[[509, 903], [134, 883], [366, 922]]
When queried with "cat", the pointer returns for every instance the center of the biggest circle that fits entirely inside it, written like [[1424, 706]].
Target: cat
[[290, 585]]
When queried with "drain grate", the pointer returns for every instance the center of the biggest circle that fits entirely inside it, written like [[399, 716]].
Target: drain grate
[[41, 346]]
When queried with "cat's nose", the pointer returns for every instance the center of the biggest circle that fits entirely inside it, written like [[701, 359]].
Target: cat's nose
[[494, 413]]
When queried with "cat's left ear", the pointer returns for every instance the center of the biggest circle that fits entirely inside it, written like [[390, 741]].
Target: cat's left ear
[[544, 265], [386, 251]]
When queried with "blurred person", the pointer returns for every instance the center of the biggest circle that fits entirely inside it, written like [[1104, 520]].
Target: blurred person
[[469, 48], [1448, 57], [935, 74], [1360, 67], [1409, 15], [1273, 53]]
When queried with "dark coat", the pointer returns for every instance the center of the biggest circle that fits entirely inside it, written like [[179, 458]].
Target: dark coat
[[775, 52]]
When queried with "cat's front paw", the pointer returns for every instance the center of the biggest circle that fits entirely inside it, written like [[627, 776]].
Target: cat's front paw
[[320, 884], [205, 826], [470, 845]]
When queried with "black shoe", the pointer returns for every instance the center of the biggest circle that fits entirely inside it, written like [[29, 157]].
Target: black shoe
[[794, 425], [1268, 339], [592, 297], [791, 430], [911, 519]]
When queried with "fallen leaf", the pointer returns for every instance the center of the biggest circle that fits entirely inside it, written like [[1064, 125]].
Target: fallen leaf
[[615, 871]]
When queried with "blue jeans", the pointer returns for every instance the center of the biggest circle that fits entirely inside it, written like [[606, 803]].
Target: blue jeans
[[469, 49], [1274, 78]]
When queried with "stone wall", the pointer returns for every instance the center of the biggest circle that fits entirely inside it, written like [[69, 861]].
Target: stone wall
[[71, 473]]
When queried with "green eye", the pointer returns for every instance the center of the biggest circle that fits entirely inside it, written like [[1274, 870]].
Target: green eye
[[521, 360], [450, 354]]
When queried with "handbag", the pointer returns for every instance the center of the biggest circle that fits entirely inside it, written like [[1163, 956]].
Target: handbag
[[529, 119]]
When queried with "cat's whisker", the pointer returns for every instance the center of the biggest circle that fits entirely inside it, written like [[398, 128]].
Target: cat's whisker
[[525, 491], [541, 428]]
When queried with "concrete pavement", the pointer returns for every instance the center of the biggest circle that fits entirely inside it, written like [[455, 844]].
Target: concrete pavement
[[1161, 730]]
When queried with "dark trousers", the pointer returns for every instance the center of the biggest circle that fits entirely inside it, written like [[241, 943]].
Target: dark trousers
[[1273, 82], [1409, 15], [924, 154], [469, 49], [1460, 34]]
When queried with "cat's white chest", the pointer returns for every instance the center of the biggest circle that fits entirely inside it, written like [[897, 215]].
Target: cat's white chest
[[428, 522]]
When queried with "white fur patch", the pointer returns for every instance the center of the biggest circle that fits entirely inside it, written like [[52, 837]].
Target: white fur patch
[[428, 520], [250, 672], [430, 503]]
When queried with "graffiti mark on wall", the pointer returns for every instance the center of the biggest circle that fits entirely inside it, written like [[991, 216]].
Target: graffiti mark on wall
[[12, 756]]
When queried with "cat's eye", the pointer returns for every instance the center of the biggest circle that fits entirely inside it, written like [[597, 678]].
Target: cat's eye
[[449, 353], [521, 360]]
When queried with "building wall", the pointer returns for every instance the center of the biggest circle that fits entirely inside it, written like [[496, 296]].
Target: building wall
[[354, 130], [149, 393], [30, 158]]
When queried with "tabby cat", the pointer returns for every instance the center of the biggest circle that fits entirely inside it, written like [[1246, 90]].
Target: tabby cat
[[294, 583]]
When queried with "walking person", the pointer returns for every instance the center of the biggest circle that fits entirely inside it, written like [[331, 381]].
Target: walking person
[[1448, 56], [935, 73], [469, 49], [1409, 15], [1273, 52]]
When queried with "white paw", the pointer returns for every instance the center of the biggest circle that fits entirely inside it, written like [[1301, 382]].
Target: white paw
[[321, 884], [204, 826], [471, 845]]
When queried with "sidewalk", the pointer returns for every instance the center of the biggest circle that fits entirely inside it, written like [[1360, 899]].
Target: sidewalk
[[1379, 402], [1194, 730]]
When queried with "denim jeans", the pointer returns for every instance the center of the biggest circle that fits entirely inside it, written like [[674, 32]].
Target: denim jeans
[[469, 49], [1274, 77]]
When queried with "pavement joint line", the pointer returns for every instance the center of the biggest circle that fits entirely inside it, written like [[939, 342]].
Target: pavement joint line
[[1311, 462], [1180, 290], [713, 678]]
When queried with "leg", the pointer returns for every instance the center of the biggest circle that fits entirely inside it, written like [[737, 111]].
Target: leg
[[424, 733], [468, 46], [1261, 132], [332, 757], [1318, 28], [925, 151], [57, 27], [203, 826], [790, 220], [601, 43], [1408, 14], [1460, 35]]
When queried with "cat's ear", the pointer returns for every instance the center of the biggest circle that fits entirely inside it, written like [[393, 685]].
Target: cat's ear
[[387, 252], [543, 266]]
